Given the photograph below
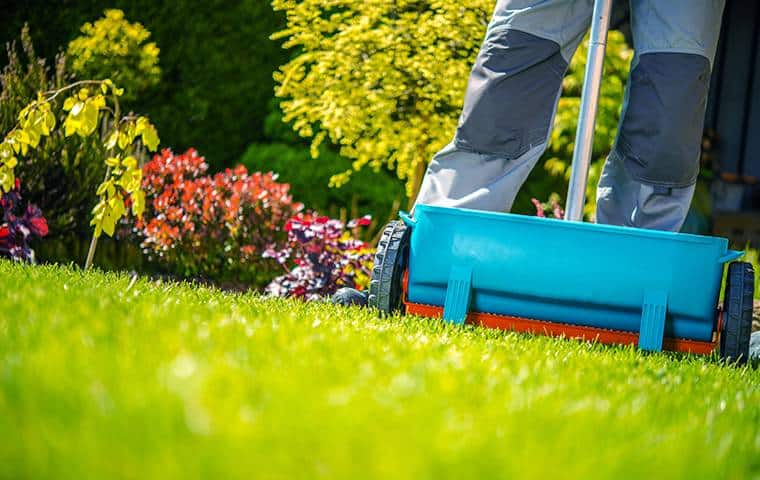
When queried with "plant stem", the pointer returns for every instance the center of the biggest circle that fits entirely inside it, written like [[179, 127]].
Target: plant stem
[[94, 240], [55, 93], [91, 252]]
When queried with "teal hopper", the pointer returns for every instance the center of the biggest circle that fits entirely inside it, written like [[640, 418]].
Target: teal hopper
[[612, 284]]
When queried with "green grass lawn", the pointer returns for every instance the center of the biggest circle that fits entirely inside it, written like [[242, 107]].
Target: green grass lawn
[[101, 377]]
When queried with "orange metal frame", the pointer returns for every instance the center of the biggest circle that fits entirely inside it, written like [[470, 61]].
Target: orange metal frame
[[541, 327]]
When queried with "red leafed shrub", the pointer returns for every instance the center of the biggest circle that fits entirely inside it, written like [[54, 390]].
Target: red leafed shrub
[[216, 227], [321, 256], [19, 225]]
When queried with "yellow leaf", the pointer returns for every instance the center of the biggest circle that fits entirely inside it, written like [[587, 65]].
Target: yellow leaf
[[102, 189], [70, 126], [150, 138], [76, 109], [69, 103], [7, 179], [130, 162], [109, 225], [97, 210], [98, 101], [138, 203], [124, 140], [89, 120], [113, 139]]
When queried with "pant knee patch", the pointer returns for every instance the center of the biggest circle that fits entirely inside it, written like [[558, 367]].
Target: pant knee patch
[[510, 95], [662, 125]]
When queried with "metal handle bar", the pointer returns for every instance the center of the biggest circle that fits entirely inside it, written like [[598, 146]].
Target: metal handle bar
[[584, 136]]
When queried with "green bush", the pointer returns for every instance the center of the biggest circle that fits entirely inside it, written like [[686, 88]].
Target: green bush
[[114, 48], [61, 176], [378, 193], [216, 61], [375, 193]]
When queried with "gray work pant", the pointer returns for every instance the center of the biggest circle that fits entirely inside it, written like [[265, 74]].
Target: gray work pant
[[512, 94]]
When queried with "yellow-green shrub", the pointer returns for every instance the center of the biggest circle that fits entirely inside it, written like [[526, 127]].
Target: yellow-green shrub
[[114, 48], [385, 81]]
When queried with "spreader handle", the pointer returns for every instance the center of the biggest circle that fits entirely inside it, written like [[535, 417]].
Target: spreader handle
[[584, 136]]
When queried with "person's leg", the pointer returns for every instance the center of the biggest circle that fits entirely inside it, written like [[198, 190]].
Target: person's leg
[[509, 105], [648, 179]]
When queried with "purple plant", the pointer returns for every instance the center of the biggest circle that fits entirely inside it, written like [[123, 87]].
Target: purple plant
[[320, 257], [19, 226]]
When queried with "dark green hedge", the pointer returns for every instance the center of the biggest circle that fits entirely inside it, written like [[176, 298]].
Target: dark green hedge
[[377, 194], [216, 57]]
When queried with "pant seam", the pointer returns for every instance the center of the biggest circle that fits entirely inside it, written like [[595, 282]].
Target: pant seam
[[527, 142], [688, 51], [504, 28]]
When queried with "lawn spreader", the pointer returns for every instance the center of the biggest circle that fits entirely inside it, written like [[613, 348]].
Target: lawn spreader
[[615, 285]]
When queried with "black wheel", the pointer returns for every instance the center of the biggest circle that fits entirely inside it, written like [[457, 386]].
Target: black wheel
[[737, 312], [390, 260]]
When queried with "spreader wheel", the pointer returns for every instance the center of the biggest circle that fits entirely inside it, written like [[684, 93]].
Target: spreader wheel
[[385, 292], [737, 312]]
